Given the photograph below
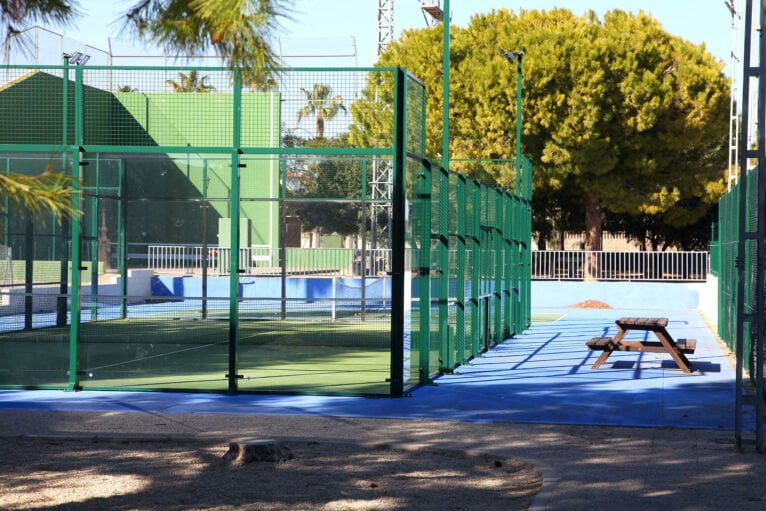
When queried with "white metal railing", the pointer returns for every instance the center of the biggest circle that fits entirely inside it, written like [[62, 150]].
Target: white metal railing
[[258, 260], [627, 266]]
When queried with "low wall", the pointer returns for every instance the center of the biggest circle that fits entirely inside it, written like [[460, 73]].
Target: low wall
[[271, 287], [45, 297], [709, 299], [620, 295]]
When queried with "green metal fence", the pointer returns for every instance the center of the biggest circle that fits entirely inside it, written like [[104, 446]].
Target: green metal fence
[[194, 263], [737, 247], [715, 250]]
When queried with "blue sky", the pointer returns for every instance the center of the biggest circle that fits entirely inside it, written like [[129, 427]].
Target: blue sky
[[700, 21]]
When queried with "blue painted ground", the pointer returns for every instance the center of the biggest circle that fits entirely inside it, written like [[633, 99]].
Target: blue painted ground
[[542, 376]]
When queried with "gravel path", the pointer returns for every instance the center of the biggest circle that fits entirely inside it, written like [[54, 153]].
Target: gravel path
[[585, 467], [71, 474]]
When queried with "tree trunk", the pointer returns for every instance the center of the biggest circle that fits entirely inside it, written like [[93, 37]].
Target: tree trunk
[[594, 224], [320, 126]]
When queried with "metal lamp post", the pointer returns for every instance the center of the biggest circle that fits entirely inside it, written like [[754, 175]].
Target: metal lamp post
[[518, 57]]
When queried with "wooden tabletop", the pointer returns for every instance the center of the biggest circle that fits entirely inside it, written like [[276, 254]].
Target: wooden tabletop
[[642, 323]]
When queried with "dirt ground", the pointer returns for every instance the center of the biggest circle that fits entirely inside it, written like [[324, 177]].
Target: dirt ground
[[79, 474]]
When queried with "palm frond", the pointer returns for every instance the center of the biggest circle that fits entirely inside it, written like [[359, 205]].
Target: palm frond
[[50, 192], [239, 31]]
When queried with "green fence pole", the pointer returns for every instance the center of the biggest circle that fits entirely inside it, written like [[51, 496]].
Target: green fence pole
[[77, 164], [122, 236], [205, 250], [61, 305], [94, 247], [424, 306], [519, 84], [233, 374], [29, 261], [507, 264], [515, 268], [6, 209], [398, 226], [282, 238], [460, 276], [498, 264], [363, 258], [528, 271], [446, 348], [445, 84], [475, 193]]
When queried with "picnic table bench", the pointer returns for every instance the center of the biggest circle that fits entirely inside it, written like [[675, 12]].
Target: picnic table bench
[[665, 344]]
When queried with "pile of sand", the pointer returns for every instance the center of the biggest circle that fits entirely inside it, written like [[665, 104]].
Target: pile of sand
[[590, 304]]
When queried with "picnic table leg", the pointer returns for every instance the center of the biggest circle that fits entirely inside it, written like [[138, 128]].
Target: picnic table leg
[[672, 348], [609, 348]]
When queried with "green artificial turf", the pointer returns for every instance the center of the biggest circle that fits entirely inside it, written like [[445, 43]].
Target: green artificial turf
[[322, 356]]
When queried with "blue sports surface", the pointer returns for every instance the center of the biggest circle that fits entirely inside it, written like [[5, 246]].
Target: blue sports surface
[[542, 376]]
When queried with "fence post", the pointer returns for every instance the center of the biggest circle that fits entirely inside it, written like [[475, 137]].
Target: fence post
[[363, 258], [498, 264], [205, 255], [507, 264], [122, 236], [235, 234], [446, 348], [77, 164], [398, 233], [460, 276]]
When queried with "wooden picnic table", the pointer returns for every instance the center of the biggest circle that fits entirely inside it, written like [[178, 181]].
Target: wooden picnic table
[[666, 344]]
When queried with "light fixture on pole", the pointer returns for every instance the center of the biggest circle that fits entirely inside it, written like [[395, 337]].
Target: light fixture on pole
[[517, 57], [433, 9], [77, 58]]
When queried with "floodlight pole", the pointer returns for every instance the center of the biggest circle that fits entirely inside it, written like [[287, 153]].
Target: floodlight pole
[[445, 87], [61, 302], [519, 84], [518, 57]]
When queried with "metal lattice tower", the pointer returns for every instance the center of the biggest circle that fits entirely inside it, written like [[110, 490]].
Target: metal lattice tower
[[381, 182], [735, 101], [385, 24]]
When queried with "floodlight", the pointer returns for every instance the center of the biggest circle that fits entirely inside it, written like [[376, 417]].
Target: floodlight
[[511, 56], [433, 9], [77, 58]]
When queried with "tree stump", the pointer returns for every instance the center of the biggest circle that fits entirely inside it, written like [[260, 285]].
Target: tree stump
[[261, 450]]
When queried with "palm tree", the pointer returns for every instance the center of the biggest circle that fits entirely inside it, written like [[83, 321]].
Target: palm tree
[[190, 83], [126, 88], [321, 103]]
